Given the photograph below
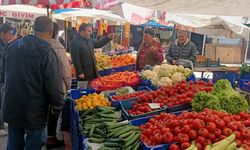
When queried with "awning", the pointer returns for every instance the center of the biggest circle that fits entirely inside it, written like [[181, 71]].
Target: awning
[[22, 11], [34, 2], [207, 7]]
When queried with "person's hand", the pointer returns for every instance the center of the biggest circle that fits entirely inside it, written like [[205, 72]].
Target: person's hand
[[111, 36], [81, 76], [174, 62]]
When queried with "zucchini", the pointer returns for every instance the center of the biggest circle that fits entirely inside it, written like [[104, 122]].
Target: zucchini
[[99, 131], [97, 136], [112, 116], [129, 137], [124, 130], [105, 108], [137, 146], [126, 134], [112, 144], [117, 125], [96, 140], [91, 131], [132, 140], [116, 140]]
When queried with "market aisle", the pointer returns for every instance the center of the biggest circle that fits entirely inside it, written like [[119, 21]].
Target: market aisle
[[3, 142]]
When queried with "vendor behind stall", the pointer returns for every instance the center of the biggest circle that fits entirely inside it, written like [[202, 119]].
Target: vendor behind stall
[[182, 48], [150, 52]]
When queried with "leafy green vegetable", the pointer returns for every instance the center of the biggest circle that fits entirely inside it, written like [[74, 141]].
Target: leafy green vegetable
[[244, 68], [204, 100], [223, 87], [234, 104]]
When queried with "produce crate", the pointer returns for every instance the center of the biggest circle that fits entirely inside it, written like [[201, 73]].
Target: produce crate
[[76, 93], [244, 86], [191, 78], [230, 76], [129, 68], [245, 75], [116, 104], [117, 69], [213, 63], [140, 121], [125, 105], [181, 107], [148, 84], [199, 64], [74, 83]]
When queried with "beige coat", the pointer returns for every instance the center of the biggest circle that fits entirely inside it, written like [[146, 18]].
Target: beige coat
[[64, 63]]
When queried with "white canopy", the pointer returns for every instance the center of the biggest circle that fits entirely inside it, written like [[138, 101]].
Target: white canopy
[[207, 7], [92, 13], [22, 11]]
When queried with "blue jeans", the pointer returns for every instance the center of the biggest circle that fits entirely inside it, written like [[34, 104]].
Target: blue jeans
[[17, 140]]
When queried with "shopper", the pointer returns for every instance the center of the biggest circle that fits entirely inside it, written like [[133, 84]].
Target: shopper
[[6, 35], [82, 54], [52, 141], [32, 86], [182, 48], [24, 32], [150, 52]]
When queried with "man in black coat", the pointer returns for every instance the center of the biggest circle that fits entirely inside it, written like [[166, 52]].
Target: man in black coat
[[83, 55], [6, 35], [32, 87]]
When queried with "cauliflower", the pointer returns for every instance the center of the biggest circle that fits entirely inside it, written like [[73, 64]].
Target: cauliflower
[[188, 72], [165, 70], [177, 77], [165, 81], [180, 68], [157, 69], [147, 73]]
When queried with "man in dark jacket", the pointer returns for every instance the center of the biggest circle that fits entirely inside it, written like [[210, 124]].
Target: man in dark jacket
[[183, 48], [6, 35], [32, 87], [83, 55]]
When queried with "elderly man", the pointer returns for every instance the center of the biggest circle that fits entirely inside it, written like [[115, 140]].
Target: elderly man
[[150, 52], [183, 48]]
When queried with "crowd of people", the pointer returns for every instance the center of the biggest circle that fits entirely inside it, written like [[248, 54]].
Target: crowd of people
[[35, 75]]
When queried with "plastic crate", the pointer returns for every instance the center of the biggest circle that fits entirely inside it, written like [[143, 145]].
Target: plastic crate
[[180, 107], [125, 105], [245, 76], [244, 86], [116, 104], [191, 78], [77, 93], [230, 76], [213, 63], [129, 67], [148, 84], [102, 73], [199, 64]]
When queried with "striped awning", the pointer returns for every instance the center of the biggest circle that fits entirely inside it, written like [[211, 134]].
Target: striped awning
[[34, 2]]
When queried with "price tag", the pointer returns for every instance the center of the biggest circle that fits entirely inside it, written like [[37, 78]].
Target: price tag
[[154, 105]]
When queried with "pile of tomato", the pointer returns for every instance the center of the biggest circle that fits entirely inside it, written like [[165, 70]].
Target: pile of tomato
[[128, 96], [204, 128], [180, 93]]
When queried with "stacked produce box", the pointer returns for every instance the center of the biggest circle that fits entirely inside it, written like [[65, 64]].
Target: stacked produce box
[[178, 114]]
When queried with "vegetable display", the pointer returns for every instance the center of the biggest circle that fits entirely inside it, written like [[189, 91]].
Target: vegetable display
[[107, 62], [205, 128], [166, 75], [91, 101], [223, 97], [116, 80], [128, 96], [101, 126]]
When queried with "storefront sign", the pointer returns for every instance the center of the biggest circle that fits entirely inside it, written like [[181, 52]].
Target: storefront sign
[[18, 15]]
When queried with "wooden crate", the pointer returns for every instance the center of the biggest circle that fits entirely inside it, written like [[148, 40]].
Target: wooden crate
[[230, 55], [210, 52]]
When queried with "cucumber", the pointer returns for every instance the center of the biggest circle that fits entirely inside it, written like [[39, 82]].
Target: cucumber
[[132, 140], [107, 112], [125, 130], [126, 134], [107, 124], [129, 137], [99, 131], [91, 131], [112, 144], [117, 125], [105, 108], [116, 140], [96, 140], [132, 147], [97, 136], [108, 116], [108, 148], [137, 146]]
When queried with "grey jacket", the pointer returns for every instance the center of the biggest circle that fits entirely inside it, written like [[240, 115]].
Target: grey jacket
[[64, 63], [185, 51]]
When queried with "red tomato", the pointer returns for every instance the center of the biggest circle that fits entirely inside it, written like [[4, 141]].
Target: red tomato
[[247, 123], [222, 137], [211, 136], [158, 138], [246, 133], [232, 126], [174, 147], [182, 138], [177, 130], [226, 120], [220, 123], [246, 142], [239, 143], [192, 134], [156, 131], [211, 127], [199, 145], [186, 129], [143, 137], [168, 137], [185, 145], [227, 131], [165, 130], [148, 132], [209, 118], [201, 140], [238, 134], [203, 132], [198, 124]]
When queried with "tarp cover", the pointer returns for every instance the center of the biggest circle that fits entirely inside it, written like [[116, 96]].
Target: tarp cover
[[33, 2], [208, 7]]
